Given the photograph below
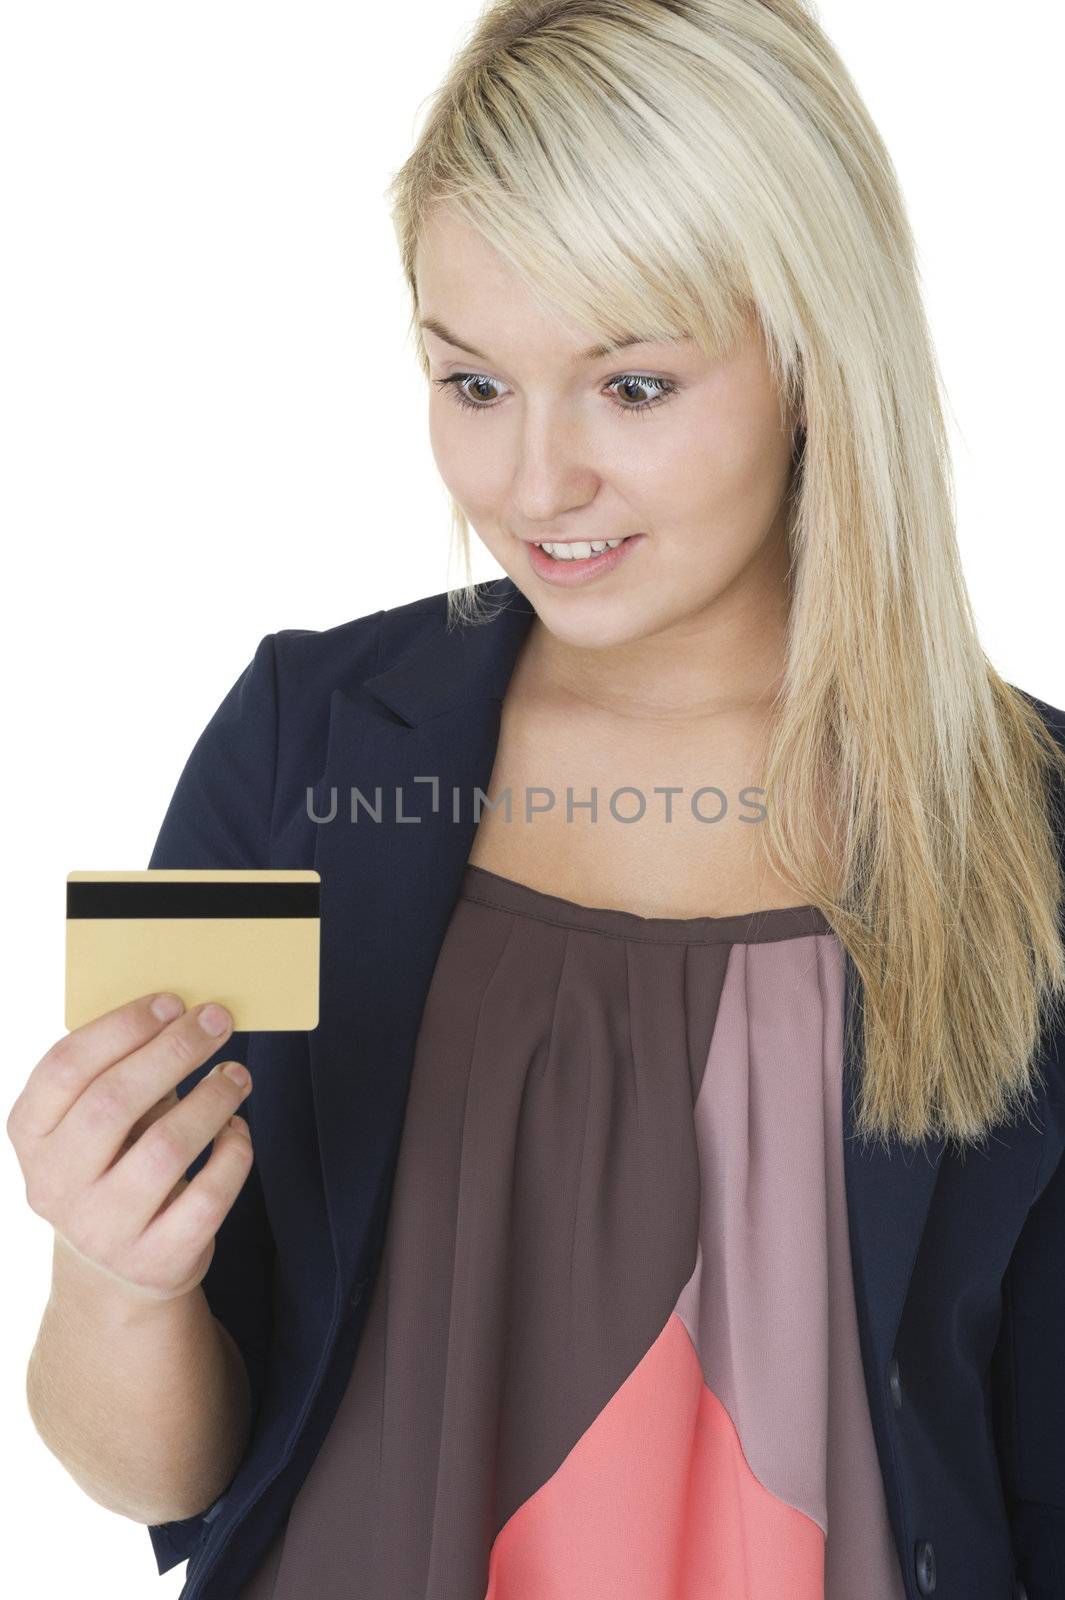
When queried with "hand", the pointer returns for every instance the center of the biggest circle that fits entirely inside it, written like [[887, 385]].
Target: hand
[[104, 1143]]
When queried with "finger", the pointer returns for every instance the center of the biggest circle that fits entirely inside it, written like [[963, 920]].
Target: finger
[[96, 1128], [176, 1240], [73, 1061], [141, 1180]]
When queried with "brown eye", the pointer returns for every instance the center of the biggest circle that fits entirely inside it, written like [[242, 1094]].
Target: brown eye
[[455, 386], [661, 389]]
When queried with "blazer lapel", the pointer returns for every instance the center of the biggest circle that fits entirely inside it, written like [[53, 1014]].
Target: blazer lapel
[[420, 737], [418, 740], [889, 1192]]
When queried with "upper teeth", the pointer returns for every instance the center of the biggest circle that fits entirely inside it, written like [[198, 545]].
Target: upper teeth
[[581, 550]]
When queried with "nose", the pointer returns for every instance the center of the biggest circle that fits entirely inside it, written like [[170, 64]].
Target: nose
[[554, 471]]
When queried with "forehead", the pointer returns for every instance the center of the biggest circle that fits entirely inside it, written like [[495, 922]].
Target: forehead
[[593, 352], [477, 301], [471, 297]]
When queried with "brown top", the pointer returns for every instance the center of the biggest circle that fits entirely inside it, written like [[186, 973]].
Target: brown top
[[611, 1348]]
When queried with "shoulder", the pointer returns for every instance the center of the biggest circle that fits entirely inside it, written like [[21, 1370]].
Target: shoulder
[[1054, 719], [1053, 716], [311, 662], [309, 667]]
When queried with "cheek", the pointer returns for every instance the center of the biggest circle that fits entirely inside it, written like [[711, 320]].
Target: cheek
[[728, 467], [450, 444], [471, 470], [442, 439], [678, 471]]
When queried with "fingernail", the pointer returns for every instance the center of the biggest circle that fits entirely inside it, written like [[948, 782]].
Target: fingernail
[[166, 1007], [236, 1074], [214, 1019]]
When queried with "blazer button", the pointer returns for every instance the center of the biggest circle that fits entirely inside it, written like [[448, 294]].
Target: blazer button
[[895, 1385], [925, 1564]]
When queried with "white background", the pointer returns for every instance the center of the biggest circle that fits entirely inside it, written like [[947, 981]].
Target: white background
[[212, 426]]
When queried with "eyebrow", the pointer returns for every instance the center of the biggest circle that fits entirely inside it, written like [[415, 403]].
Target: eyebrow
[[595, 353]]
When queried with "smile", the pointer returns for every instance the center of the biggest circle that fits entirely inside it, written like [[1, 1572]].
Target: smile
[[580, 550]]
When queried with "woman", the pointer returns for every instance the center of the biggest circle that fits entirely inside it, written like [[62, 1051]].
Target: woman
[[616, 1233]]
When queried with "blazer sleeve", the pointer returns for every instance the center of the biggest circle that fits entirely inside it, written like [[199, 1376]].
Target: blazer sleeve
[[1027, 1376], [220, 816], [1028, 1379]]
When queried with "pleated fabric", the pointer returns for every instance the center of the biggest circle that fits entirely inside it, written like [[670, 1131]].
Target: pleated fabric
[[611, 1348]]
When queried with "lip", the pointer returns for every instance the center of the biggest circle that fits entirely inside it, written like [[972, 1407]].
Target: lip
[[571, 574]]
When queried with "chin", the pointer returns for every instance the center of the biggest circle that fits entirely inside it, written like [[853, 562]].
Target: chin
[[602, 626]]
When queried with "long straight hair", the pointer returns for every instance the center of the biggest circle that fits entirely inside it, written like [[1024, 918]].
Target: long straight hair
[[677, 166]]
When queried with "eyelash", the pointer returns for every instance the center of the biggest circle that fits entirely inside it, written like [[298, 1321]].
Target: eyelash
[[665, 390]]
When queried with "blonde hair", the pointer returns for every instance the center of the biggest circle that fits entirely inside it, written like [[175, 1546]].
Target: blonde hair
[[673, 166]]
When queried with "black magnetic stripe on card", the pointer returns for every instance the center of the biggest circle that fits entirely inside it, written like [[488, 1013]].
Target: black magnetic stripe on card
[[148, 899]]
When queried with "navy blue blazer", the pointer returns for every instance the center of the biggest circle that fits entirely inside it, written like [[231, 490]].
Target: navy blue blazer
[[959, 1263]]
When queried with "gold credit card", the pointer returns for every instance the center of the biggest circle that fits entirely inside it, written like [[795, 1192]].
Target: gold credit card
[[246, 938]]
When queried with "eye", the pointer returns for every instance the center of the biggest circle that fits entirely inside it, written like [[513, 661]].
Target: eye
[[456, 383], [661, 389], [454, 386]]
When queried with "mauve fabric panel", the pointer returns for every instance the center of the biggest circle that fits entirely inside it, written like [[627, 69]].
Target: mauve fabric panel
[[611, 1348]]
